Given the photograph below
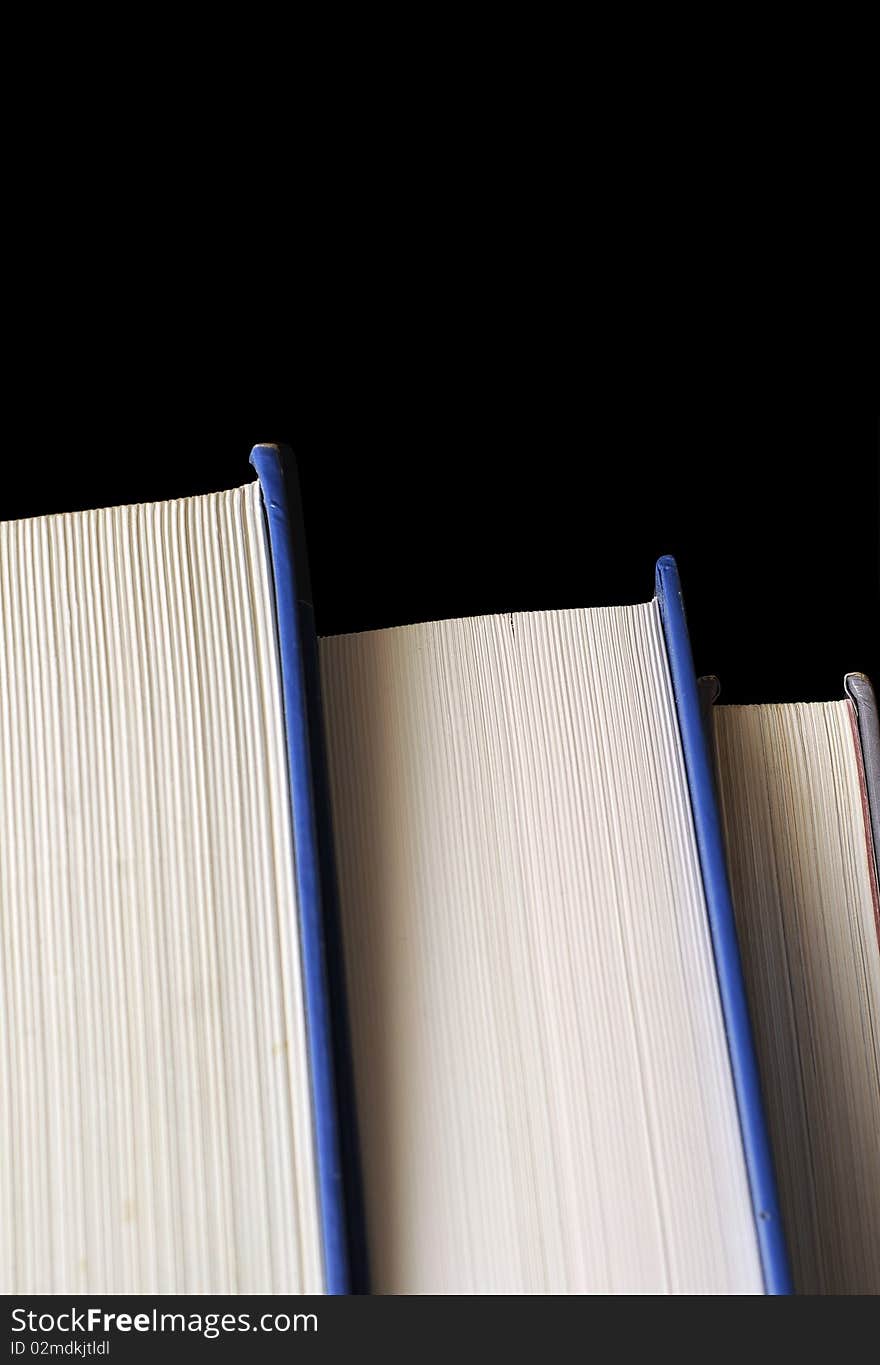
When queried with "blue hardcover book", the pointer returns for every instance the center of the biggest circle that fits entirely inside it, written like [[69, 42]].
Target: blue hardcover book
[[328, 1010], [173, 1113]]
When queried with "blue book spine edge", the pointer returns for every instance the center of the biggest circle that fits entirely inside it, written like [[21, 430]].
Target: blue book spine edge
[[710, 843], [319, 942]]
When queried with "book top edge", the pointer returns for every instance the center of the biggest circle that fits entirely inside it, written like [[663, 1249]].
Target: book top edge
[[85, 512]]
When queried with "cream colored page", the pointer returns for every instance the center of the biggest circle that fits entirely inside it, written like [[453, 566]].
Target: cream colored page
[[154, 1118], [544, 1092], [796, 837]]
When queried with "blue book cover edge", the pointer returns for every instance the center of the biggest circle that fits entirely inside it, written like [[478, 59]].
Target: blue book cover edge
[[332, 1090], [713, 863]]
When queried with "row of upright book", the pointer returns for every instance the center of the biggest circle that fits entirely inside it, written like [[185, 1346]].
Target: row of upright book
[[495, 954]]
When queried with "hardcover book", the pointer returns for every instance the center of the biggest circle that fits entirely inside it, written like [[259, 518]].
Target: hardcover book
[[798, 787]]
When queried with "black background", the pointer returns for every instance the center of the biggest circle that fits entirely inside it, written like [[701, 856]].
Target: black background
[[435, 488]]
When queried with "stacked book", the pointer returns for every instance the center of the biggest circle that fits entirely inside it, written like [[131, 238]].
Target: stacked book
[[481, 955]]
